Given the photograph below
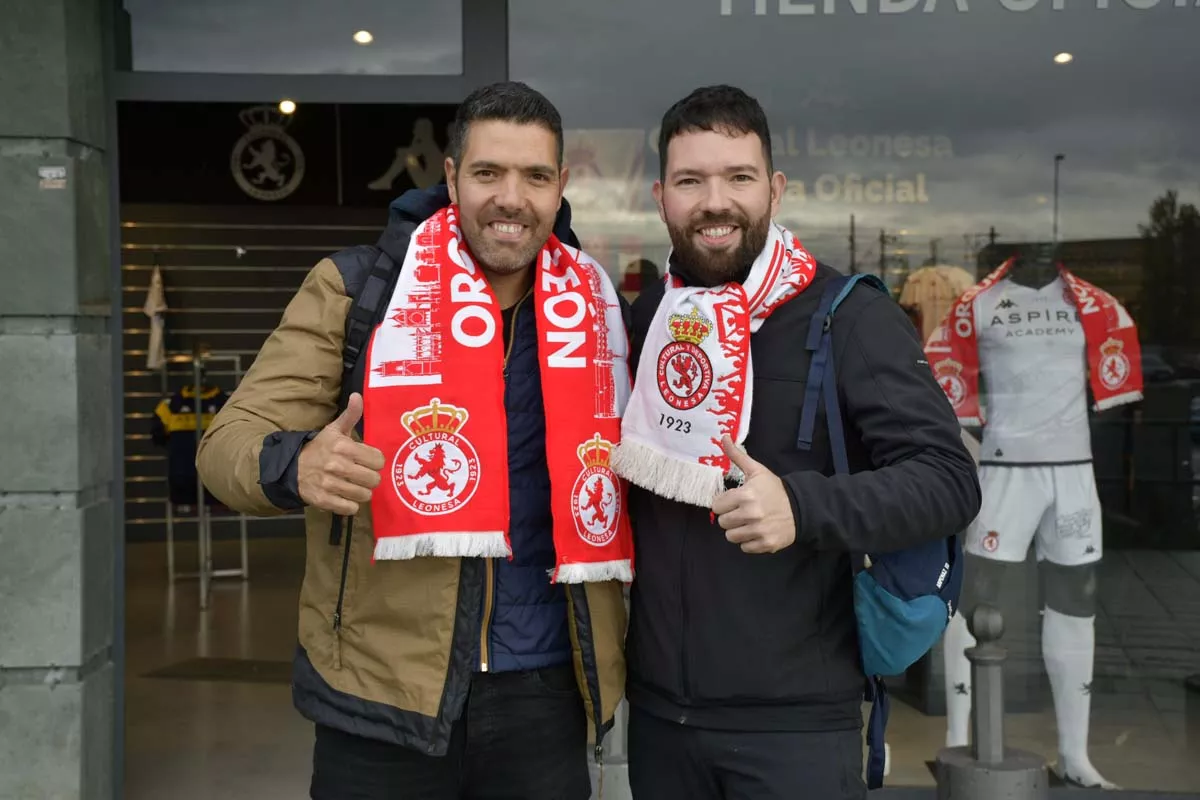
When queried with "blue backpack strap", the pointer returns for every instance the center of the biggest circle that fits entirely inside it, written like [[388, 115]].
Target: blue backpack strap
[[822, 383], [821, 370], [876, 726]]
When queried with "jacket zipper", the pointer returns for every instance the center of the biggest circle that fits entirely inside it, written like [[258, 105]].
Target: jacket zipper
[[576, 596], [489, 585], [337, 614]]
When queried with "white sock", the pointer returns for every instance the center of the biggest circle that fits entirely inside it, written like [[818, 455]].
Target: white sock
[[955, 642], [1068, 647]]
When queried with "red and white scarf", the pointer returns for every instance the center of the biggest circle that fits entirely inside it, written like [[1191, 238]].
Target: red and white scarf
[[695, 378], [1114, 356], [433, 403]]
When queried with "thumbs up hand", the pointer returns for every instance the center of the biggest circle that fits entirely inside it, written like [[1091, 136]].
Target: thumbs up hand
[[335, 473], [758, 514]]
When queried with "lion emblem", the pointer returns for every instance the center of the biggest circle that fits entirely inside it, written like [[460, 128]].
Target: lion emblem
[[437, 469], [597, 498]]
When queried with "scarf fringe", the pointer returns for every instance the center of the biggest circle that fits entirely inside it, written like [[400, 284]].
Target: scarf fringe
[[673, 478], [598, 571], [446, 545], [1119, 400]]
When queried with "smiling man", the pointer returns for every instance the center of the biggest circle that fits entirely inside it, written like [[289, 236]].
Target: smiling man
[[744, 669], [461, 623]]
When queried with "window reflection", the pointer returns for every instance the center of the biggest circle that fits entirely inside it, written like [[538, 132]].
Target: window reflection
[[920, 143], [356, 37]]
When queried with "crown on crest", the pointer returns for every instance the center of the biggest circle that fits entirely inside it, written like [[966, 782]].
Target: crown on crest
[[437, 417], [947, 365], [689, 327], [1112, 347], [260, 116], [595, 452]]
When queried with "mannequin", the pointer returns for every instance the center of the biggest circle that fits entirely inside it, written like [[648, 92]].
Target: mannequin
[[1038, 483], [1035, 269]]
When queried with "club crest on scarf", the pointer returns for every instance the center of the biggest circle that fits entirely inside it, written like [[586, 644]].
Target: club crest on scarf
[[1114, 364], [437, 470], [597, 499], [949, 377], [685, 374]]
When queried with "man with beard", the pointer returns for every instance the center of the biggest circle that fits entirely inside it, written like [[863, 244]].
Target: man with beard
[[459, 637], [744, 668]]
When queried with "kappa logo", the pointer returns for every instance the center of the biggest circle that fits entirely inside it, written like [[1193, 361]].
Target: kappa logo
[[685, 375], [595, 499], [949, 376], [437, 470], [267, 163], [1006, 303], [1114, 364]]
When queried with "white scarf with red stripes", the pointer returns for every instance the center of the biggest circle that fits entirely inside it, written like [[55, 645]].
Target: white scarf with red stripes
[[695, 379]]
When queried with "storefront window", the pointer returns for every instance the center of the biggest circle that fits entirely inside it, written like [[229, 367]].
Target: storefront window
[[928, 142], [306, 37]]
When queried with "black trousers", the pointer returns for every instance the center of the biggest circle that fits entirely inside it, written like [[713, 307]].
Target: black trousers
[[668, 761], [522, 736]]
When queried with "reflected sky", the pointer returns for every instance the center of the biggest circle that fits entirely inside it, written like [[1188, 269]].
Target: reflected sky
[[984, 80], [414, 37], [851, 97]]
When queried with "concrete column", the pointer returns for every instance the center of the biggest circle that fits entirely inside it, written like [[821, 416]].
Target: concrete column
[[56, 405]]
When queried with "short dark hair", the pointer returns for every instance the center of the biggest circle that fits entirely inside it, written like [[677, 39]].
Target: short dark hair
[[723, 109], [508, 101]]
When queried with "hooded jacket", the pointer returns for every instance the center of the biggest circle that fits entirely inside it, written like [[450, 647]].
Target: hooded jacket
[[386, 649]]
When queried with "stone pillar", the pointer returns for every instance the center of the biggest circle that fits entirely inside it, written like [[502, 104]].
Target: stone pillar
[[56, 405]]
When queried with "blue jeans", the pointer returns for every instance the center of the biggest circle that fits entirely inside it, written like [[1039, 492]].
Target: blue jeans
[[523, 735]]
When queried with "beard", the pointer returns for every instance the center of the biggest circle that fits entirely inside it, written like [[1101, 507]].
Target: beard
[[714, 267], [502, 257]]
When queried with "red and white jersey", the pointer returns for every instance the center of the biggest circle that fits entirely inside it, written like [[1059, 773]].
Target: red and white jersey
[[1033, 367]]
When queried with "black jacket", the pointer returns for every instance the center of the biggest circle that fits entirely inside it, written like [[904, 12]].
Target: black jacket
[[722, 639]]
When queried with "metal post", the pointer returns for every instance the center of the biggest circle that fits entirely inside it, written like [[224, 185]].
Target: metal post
[[853, 248], [1057, 160], [987, 662], [987, 769], [201, 508], [170, 539], [245, 571]]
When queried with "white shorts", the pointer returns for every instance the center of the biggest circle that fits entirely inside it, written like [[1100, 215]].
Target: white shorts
[[1057, 503]]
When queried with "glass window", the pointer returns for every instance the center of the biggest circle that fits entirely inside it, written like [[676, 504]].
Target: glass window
[[928, 141], [297, 37]]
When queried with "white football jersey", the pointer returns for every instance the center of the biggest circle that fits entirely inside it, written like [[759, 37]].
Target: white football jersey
[[1033, 375]]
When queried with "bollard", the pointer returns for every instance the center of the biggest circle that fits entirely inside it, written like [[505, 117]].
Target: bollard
[[987, 770]]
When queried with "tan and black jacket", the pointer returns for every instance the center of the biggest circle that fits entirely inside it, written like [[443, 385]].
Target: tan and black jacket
[[386, 649]]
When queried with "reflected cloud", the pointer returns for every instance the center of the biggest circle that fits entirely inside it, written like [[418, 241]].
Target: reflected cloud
[[296, 36]]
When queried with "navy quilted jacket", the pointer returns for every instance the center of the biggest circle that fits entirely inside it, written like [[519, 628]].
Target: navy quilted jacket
[[528, 626]]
